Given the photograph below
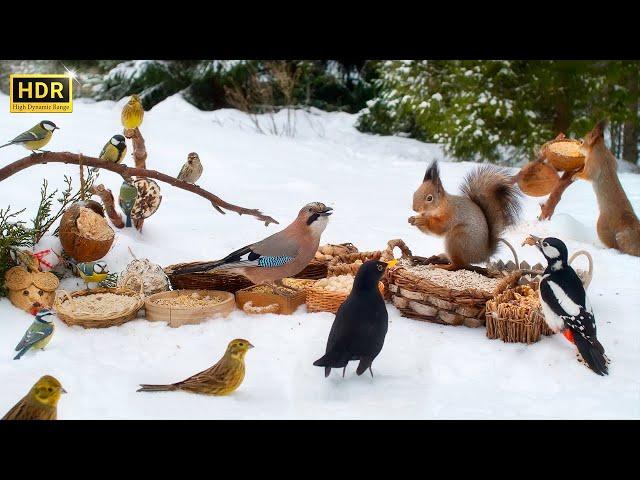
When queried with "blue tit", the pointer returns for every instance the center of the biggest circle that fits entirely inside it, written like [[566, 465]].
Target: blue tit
[[113, 151], [126, 200], [38, 334], [36, 137], [92, 272]]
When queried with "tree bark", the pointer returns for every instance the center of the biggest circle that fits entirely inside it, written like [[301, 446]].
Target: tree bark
[[126, 173], [140, 159], [630, 127]]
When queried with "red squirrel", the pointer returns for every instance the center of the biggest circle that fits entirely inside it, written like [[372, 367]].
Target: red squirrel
[[471, 223], [618, 226]]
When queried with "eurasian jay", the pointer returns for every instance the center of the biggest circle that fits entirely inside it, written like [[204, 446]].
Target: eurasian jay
[[283, 254]]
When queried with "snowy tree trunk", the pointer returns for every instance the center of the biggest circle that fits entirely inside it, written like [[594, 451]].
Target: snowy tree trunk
[[630, 145]]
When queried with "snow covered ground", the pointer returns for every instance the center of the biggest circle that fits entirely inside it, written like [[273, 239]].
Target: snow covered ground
[[424, 371]]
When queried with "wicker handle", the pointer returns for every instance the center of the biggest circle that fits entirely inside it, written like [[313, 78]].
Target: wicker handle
[[391, 245], [587, 280], [249, 308], [69, 297], [513, 251], [140, 280]]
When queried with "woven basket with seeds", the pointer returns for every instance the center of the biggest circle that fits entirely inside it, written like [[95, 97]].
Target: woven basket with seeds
[[514, 316], [232, 282], [99, 307], [421, 290]]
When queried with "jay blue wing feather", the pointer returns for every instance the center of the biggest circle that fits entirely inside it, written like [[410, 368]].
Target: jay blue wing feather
[[274, 251]]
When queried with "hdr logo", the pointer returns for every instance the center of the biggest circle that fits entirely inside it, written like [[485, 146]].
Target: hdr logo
[[33, 93]]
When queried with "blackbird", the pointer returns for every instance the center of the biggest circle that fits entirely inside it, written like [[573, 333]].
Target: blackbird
[[361, 323]]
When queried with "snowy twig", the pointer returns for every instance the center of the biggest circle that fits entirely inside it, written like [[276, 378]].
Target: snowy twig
[[126, 173]]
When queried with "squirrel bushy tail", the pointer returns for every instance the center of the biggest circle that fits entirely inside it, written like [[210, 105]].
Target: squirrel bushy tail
[[492, 190]]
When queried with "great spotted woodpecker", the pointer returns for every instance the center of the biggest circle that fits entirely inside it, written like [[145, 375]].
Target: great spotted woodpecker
[[565, 305]]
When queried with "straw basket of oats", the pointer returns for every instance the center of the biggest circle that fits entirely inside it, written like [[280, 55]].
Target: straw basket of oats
[[98, 308], [514, 316]]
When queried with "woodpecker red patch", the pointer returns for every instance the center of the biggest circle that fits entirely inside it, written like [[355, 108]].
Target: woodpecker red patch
[[568, 334]]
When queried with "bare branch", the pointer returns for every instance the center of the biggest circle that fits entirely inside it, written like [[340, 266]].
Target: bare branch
[[126, 173]]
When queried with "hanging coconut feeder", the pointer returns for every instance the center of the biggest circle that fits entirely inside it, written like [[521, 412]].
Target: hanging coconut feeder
[[537, 179], [148, 199], [84, 232]]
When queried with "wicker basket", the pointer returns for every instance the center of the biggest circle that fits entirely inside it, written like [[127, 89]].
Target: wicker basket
[[321, 300], [228, 281], [421, 299], [95, 319], [512, 319], [346, 264]]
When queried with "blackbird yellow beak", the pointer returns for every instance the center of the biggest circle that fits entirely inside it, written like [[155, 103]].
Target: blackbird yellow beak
[[392, 263]]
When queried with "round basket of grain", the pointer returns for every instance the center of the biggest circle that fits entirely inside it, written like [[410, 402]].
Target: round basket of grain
[[537, 179], [182, 307], [422, 290], [563, 153], [514, 316], [84, 232], [327, 294], [98, 308]]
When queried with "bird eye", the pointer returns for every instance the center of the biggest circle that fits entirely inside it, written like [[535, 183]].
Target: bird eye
[[380, 267], [241, 344], [49, 389], [25, 292], [429, 198]]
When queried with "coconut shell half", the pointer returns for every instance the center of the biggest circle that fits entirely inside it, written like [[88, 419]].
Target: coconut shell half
[[537, 179], [91, 238]]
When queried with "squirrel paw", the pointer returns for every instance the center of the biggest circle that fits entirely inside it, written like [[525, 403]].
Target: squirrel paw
[[412, 220]]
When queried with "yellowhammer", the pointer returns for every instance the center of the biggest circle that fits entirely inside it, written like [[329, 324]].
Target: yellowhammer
[[41, 403], [221, 379], [132, 113]]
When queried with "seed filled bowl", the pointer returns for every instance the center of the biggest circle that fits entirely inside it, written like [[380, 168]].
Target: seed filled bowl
[[564, 154], [182, 307]]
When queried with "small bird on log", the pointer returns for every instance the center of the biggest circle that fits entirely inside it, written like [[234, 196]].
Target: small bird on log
[[132, 113]]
